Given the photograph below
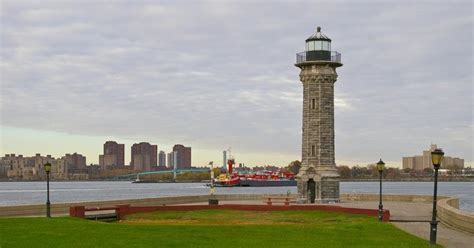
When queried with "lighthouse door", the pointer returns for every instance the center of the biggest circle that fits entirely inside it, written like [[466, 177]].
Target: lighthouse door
[[311, 190]]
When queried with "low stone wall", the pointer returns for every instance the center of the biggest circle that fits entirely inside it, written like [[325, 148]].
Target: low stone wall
[[389, 197], [63, 208], [123, 210], [449, 214]]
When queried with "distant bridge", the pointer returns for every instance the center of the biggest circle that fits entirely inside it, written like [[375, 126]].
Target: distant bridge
[[175, 173]]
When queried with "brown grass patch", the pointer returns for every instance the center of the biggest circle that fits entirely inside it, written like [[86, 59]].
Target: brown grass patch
[[209, 222]]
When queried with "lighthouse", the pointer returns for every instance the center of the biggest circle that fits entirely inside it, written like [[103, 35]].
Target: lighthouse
[[318, 179]]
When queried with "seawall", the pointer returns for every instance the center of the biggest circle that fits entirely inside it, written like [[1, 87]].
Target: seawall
[[63, 208], [389, 197], [450, 215]]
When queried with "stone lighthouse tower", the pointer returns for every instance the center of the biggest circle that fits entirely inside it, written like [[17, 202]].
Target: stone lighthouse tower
[[318, 179]]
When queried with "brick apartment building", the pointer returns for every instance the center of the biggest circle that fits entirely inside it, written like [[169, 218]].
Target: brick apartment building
[[114, 155], [144, 156], [183, 156]]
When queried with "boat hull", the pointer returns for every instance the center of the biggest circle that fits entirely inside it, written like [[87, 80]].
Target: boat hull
[[227, 183], [267, 183]]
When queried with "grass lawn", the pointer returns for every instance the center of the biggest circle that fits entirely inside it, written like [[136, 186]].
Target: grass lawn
[[208, 228]]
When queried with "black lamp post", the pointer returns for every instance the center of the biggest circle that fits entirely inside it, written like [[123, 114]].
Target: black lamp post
[[47, 168], [380, 168], [212, 199], [436, 158]]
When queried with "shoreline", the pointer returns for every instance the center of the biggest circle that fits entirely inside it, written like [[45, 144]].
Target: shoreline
[[185, 199], [345, 196]]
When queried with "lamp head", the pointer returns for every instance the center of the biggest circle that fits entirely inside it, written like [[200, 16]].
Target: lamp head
[[437, 157], [380, 166], [47, 167]]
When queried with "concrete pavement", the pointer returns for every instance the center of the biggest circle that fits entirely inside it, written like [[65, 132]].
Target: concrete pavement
[[419, 211], [406, 211]]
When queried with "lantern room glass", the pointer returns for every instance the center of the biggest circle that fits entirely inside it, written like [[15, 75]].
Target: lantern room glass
[[318, 45], [326, 46]]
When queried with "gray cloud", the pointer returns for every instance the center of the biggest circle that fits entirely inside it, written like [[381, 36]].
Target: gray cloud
[[214, 74]]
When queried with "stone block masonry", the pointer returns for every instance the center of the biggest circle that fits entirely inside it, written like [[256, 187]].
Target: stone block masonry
[[318, 180]]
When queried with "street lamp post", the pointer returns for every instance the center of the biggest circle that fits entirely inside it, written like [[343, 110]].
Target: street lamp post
[[436, 157], [380, 168], [47, 168], [212, 199], [211, 185]]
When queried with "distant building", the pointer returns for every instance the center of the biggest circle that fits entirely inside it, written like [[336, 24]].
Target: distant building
[[224, 160], [175, 160], [74, 163], [3, 171], [162, 159], [172, 158], [421, 162], [30, 168], [5, 165], [18, 169], [169, 162], [114, 155], [144, 156], [93, 170], [183, 156]]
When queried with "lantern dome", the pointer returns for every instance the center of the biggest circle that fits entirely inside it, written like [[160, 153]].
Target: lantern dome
[[318, 36], [318, 46]]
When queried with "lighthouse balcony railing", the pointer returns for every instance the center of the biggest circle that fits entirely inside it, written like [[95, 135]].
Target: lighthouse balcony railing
[[301, 57]]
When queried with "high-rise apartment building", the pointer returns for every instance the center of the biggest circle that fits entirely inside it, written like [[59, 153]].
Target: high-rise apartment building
[[114, 155], [162, 159], [144, 156], [183, 156], [171, 159]]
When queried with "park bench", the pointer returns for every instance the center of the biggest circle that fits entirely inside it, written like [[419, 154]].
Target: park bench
[[101, 213], [95, 213]]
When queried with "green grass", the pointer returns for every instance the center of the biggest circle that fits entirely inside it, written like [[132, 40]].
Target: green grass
[[209, 228]]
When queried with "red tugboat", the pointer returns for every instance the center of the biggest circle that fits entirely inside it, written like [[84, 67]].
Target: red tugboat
[[229, 179], [254, 179], [268, 179]]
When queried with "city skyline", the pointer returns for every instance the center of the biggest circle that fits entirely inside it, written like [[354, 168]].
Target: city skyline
[[214, 76], [161, 151]]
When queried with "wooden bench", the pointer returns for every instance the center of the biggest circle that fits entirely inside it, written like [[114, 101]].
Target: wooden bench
[[95, 213], [101, 213], [270, 200]]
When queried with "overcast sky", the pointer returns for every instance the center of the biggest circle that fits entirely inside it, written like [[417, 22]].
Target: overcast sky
[[214, 75]]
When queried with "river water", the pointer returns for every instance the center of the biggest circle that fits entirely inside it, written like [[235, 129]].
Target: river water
[[24, 193]]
